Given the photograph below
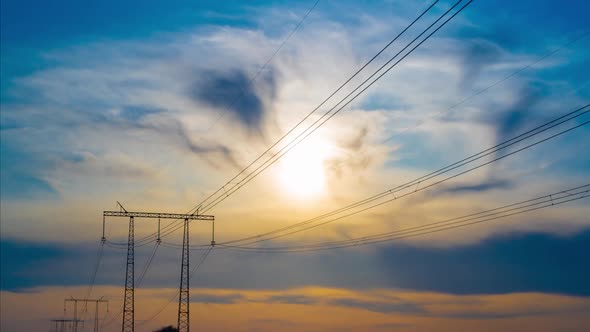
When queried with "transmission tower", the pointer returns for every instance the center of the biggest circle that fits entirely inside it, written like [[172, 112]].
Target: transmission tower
[[184, 296], [128, 324], [129, 297], [63, 325], [85, 301]]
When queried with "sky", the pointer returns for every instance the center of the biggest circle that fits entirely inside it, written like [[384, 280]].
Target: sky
[[157, 105]]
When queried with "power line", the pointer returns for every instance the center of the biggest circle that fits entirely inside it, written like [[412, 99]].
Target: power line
[[122, 246], [529, 205], [421, 180], [380, 237], [147, 266], [99, 253], [114, 319], [96, 267], [328, 114], [427, 186], [400, 237], [549, 198], [584, 35], [326, 246], [268, 61], [321, 104], [498, 82], [333, 111], [551, 53], [410, 184], [203, 247], [318, 107]]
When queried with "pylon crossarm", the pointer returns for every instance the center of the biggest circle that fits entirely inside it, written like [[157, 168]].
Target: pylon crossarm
[[157, 215]]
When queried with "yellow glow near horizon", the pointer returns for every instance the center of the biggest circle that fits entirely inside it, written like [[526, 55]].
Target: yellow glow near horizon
[[302, 172]]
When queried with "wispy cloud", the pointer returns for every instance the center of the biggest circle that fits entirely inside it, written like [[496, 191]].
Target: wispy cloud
[[233, 92], [382, 307]]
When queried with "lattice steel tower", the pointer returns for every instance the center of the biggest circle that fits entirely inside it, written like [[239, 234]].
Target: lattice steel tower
[[85, 301], [129, 299], [184, 299], [184, 296]]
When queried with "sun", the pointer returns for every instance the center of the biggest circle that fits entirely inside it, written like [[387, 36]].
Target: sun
[[302, 172]]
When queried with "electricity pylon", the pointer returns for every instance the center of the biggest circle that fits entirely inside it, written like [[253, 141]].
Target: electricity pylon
[[129, 297], [85, 301], [63, 325], [184, 296], [128, 324]]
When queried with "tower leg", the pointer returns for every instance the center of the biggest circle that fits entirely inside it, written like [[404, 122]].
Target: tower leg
[[129, 299], [75, 316], [96, 317], [184, 297]]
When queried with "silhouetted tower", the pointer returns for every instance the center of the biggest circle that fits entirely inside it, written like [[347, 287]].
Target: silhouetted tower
[[184, 296], [129, 299], [75, 320], [128, 304], [97, 302], [63, 325]]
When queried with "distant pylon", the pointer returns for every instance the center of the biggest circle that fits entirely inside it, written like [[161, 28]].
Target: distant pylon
[[63, 325], [75, 320], [184, 297], [129, 299]]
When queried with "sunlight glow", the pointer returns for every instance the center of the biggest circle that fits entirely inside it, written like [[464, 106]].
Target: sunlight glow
[[302, 172]]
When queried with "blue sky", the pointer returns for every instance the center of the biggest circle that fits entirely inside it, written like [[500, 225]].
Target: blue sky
[[154, 104]]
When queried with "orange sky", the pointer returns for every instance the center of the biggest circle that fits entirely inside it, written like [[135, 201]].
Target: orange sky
[[317, 309]]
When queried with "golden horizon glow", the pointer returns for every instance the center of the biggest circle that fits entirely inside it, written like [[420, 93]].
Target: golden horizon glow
[[324, 309]]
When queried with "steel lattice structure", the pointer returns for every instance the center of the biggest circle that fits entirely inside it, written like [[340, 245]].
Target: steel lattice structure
[[128, 324], [158, 215], [129, 299], [86, 301], [184, 296]]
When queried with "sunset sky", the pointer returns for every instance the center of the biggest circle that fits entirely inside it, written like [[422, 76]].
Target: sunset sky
[[159, 104]]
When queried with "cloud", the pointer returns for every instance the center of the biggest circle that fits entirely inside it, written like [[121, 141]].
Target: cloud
[[382, 307], [503, 264], [478, 54], [116, 166], [291, 299], [509, 121], [136, 113], [498, 315], [480, 187], [22, 175], [540, 312], [357, 142], [215, 154], [217, 299], [390, 326], [26, 264], [234, 92], [163, 123], [16, 185]]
